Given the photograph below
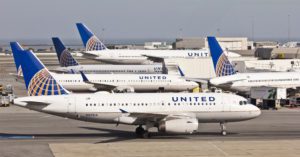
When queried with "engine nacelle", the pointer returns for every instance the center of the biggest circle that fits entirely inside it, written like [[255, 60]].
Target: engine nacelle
[[125, 120], [188, 125], [124, 89]]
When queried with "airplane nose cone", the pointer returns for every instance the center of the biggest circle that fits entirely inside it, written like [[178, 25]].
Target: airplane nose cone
[[194, 85], [256, 112]]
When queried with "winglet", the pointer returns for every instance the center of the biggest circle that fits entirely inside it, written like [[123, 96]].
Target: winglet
[[85, 79], [123, 111], [90, 41], [72, 71], [221, 63], [180, 71]]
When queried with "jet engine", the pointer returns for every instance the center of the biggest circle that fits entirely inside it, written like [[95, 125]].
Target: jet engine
[[124, 89], [187, 125]]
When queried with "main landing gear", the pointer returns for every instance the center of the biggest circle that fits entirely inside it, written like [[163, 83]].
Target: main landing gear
[[223, 128], [141, 132]]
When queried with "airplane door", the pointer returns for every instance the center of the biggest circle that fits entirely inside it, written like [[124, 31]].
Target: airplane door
[[71, 104]]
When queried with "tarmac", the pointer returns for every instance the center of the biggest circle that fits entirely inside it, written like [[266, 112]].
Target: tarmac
[[28, 133]]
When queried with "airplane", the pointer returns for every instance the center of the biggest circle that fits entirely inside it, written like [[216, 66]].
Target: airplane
[[19, 74], [168, 112], [227, 78], [114, 82], [70, 65], [95, 49]]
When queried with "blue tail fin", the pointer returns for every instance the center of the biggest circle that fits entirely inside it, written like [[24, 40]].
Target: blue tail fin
[[16, 49], [221, 63], [64, 56], [37, 78], [90, 41]]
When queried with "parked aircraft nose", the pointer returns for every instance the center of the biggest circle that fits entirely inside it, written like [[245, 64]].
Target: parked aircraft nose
[[194, 85], [255, 111]]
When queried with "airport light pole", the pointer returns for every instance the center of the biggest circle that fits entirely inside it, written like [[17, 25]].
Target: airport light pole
[[218, 32], [252, 28], [289, 27], [103, 38], [180, 33]]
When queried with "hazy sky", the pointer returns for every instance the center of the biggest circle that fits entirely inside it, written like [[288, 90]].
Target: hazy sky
[[40, 19]]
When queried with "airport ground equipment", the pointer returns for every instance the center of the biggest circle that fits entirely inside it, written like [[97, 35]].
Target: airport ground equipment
[[271, 96], [7, 96]]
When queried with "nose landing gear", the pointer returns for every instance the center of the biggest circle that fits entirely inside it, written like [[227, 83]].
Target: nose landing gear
[[223, 129]]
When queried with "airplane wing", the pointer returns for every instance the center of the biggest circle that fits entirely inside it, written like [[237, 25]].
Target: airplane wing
[[102, 85], [59, 71], [88, 55], [282, 86], [199, 80], [97, 85], [155, 117], [154, 58]]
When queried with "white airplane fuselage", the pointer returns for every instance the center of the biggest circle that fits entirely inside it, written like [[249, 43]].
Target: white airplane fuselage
[[242, 82], [139, 82], [116, 69], [106, 108], [125, 56]]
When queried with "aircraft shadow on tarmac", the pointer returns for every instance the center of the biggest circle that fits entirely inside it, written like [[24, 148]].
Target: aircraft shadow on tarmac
[[112, 135]]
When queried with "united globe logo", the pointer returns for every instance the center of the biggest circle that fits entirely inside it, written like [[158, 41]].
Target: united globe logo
[[94, 44], [66, 59], [224, 67], [42, 83]]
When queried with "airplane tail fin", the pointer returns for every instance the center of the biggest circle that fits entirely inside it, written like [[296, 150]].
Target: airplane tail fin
[[221, 63], [38, 79], [64, 56], [16, 49], [90, 41]]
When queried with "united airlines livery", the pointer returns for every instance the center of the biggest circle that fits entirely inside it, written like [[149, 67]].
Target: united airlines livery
[[70, 65], [168, 112], [227, 78], [108, 82], [95, 49]]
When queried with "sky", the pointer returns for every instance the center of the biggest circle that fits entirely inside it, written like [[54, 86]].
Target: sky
[[150, 19]]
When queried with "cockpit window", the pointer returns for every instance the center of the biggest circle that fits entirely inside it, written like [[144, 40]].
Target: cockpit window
[[243, 102]]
